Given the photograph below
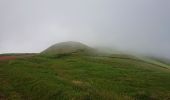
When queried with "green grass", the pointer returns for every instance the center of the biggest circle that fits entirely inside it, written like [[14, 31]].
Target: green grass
[[73, 77]]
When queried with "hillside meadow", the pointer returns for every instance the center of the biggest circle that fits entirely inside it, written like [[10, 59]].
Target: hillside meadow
[[80, 77]]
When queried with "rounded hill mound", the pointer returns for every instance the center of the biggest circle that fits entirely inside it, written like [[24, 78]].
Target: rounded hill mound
[[68, 48]]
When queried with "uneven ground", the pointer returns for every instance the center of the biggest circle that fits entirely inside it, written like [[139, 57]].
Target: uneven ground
[[75, 77]]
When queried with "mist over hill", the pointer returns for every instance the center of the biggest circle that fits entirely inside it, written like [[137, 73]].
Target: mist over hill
[[84, 49], [70, 47], [140, 26]]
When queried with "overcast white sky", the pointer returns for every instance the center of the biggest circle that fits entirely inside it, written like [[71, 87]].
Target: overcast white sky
[[135, 25]]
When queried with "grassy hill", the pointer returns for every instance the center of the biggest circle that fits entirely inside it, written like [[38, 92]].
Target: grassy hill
[[73, 76], [69, 47]]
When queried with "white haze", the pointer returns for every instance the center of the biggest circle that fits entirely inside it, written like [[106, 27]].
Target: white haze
[[141, 26]]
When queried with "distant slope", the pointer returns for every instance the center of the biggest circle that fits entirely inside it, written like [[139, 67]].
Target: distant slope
[[72, 47], [69, 47], [161, 60], [155, 61], [143, 59]]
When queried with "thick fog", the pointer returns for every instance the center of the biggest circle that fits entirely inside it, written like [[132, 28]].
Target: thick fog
[[141, 26]]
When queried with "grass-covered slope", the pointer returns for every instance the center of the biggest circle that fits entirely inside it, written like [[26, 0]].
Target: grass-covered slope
[[68, 47], [79, 77]]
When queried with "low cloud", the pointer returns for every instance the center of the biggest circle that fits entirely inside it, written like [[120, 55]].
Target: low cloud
[[135, 25]]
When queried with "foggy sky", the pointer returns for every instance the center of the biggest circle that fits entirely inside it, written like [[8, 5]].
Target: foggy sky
[[141, 26]]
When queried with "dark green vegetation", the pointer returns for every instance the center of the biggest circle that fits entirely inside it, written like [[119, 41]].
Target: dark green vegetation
[[77, 72], [73, 77]]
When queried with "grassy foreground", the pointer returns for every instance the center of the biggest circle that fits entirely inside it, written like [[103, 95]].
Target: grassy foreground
[[82, 78]]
